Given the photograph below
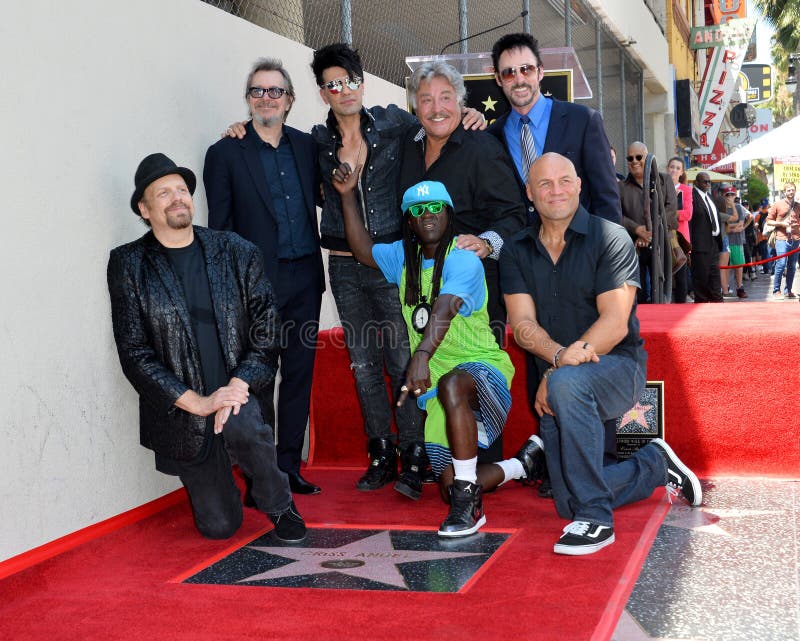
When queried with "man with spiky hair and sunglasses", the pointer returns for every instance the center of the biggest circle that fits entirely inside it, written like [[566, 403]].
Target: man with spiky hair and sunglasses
[[458, 374]]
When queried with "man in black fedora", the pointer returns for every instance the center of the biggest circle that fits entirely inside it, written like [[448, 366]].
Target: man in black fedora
[[196, 329]]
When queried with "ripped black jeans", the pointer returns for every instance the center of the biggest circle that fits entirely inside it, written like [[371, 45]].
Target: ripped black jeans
[[369, 310]]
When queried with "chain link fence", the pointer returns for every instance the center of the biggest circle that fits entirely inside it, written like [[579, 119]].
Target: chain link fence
[[385, 33]]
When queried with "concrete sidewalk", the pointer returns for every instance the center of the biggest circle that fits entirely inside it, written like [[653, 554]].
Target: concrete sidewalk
[[760, 289]]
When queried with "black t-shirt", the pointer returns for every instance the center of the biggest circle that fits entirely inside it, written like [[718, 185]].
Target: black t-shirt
[[189, 265]]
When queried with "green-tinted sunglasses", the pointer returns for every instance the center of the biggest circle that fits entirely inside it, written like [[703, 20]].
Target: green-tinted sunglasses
[[434, 207]]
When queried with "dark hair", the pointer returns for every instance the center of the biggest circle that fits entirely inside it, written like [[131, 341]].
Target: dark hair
[[515, 41], [338, 54], [682, 179], [413, 256]]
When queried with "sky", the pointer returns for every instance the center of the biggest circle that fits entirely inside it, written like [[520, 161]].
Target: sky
[[763, 34]]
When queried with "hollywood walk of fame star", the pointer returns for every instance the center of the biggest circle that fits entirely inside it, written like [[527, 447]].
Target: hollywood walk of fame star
[[489, 104], [373, 558], [637, 414]]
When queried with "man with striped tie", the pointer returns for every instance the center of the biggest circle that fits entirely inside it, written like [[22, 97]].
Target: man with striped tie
[[538, 124]]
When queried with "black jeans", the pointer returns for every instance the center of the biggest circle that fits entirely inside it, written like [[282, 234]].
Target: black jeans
[[216, 501], [375, 332]]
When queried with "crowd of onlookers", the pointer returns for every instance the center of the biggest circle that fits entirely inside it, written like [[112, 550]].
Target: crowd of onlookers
[[749, 239]]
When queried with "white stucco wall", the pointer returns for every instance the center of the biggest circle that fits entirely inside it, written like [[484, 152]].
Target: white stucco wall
[[89, 89], [631, 19]]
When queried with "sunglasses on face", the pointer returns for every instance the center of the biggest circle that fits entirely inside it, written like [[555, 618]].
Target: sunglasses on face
[[434, 207], [272, 92], [637, 157], [509, 73], [335, 85]]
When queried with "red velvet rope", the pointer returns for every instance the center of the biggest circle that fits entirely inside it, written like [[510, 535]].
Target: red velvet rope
[[761, 262]]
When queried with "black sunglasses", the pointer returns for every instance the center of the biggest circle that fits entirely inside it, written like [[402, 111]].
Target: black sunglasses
[[272, 92], [632, 158], [509, 73]]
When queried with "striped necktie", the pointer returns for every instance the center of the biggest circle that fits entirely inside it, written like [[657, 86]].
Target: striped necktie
[[528, 146]]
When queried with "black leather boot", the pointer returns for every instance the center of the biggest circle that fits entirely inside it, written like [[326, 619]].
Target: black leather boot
[[415, 467], [382, 466]]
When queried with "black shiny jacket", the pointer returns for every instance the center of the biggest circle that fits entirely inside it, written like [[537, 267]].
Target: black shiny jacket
[[155, 341]]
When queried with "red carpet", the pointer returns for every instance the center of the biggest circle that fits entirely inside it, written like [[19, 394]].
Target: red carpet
[[731, 385], [730, 400], [121, 585]]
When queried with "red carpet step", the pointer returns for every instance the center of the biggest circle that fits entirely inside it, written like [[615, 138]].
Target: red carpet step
[[731, 390]]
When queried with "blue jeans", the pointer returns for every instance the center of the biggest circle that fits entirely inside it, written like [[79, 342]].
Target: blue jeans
[[582, 398], [375, 332], [786, 264]]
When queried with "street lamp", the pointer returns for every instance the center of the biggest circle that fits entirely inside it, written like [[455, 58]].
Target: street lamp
[[791, 82], [791, 72]]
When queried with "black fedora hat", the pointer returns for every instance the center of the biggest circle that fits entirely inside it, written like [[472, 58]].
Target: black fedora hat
[[152, 168]]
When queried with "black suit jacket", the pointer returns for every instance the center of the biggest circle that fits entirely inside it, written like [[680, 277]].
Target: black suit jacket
[[157, 347], [238, 196], [700, 227], [577, 132]]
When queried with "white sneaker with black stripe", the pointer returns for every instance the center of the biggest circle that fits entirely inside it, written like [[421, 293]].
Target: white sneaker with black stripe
[[680, 478], [583, 537]]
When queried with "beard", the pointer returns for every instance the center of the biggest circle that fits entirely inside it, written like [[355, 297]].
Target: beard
[[180, 219], [270, 121], [520, 101]]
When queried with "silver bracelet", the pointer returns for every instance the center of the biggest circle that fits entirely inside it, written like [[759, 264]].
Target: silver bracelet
[[556, 355]]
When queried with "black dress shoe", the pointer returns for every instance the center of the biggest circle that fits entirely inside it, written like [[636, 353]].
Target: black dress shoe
[[299, 485]]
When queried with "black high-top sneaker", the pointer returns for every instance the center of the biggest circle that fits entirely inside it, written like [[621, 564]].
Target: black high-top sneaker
[[531, 455], [382, 465], [415, 465], [466, 510]]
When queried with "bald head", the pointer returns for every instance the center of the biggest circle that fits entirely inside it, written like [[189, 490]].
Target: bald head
[[554, 187], [702, 181], [637, 153]]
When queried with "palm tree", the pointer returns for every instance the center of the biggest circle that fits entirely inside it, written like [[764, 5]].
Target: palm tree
[[783, 15]]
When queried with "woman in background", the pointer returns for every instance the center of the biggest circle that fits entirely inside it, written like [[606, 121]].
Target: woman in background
[[680, 280]]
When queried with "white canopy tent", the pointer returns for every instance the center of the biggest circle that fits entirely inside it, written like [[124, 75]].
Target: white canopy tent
[[783, 141]]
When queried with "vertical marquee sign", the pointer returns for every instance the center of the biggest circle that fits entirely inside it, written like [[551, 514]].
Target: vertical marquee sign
[[729, 42]]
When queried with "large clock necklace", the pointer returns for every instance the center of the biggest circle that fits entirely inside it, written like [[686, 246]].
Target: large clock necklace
[[421, 314]]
